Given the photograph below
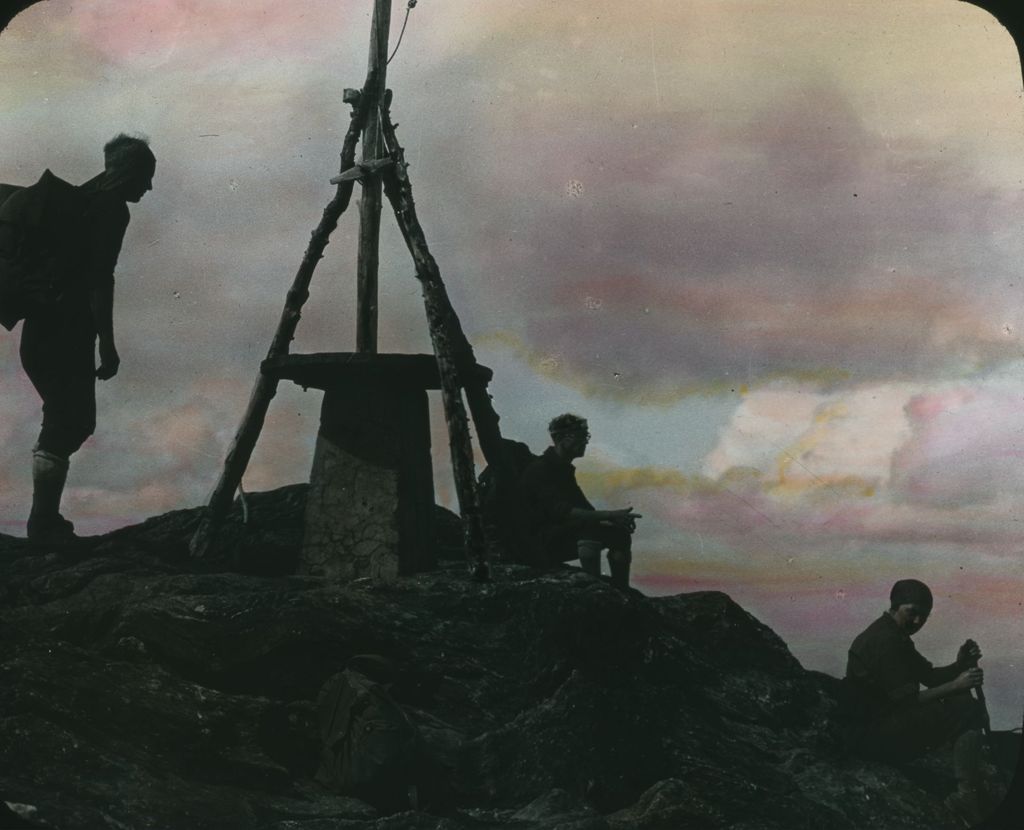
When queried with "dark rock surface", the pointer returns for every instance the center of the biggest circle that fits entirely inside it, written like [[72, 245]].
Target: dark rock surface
[[141, 689]]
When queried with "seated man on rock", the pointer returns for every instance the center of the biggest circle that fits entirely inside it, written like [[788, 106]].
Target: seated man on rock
[[562, 522], [885, 673]]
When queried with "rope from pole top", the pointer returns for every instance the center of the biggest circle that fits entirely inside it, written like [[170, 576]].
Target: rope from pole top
[[408, 8]]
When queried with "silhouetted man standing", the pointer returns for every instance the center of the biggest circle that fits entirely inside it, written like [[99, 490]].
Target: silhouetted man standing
[[903, 721], [563, 522], [58, 342]]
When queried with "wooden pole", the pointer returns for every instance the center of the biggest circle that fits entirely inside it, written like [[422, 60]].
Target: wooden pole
[[460, 352], [455, 359], [266, 387], [370, 204]]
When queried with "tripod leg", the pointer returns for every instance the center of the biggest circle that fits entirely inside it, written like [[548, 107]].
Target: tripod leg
[[266, 387]]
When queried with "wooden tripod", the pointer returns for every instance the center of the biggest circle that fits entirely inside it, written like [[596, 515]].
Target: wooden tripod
[[383, 167]]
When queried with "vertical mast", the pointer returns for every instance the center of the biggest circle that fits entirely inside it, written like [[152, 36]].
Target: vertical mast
[[370, 204]]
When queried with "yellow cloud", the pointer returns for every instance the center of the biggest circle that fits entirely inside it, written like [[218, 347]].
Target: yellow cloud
[[805, 445], [823, 487], [610, 480]]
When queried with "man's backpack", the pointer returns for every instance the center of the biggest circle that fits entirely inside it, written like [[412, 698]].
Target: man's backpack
[[501, 503], [37, 227]]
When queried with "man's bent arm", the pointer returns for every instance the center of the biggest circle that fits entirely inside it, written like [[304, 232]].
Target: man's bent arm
[[603, 515], [941, 675], [970, 679]]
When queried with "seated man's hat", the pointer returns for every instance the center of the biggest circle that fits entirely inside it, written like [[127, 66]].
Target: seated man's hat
[[910, 592]]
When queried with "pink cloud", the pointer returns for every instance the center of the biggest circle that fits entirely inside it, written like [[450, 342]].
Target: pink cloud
[[966, 446], [152, 32], [744, 517]]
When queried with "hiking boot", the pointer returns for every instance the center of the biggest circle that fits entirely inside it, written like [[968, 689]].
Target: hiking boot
[[58, 531], [966, 805], [45, 524]]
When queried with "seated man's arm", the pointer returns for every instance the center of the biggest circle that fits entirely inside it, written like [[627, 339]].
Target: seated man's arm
[[940, 675], [893, 667], [969, 679], [967, 657], [556, 502], [624, 517]]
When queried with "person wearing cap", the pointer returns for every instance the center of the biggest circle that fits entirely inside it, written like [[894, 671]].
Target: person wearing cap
[[59, 344], [563, 523], [902, 720]]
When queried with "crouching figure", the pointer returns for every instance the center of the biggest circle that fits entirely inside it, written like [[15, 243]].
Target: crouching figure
[[901, 721]]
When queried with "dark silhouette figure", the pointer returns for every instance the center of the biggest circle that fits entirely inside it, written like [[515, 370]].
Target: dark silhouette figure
[[562, 521], [885, 673], [59, 337], [500, 504]]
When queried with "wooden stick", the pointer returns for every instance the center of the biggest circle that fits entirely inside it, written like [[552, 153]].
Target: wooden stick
[[460, 444], [979, 694], [986, 721], [368, 258], [399, 192], [455, 358], [266, 387]]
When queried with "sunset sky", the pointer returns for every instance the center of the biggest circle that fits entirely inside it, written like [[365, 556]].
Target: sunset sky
[[770, 248]]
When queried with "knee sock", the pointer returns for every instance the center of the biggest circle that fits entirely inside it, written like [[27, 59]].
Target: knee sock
[[590, 556], [618, 563], [49, 473]]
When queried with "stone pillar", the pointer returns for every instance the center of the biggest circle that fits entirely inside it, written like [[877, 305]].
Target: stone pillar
[[371, 490]]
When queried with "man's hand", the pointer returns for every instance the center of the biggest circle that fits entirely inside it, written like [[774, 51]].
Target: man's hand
[[110, 361], [970, 679], [969, 654], [624, 518]]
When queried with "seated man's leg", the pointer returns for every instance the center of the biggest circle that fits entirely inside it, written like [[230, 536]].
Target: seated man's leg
[[618, 542], [619, 562], [979, 790], [915, 730], [972, 801], [967, 759], [589, 551]]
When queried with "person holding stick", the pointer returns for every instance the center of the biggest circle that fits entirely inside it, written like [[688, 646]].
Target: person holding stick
[[902, 721]]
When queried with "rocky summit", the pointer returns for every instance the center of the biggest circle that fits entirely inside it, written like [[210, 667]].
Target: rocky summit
[[142, 689]]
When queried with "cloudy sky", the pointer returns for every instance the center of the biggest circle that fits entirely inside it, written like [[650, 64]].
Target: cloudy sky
[[770, 248]]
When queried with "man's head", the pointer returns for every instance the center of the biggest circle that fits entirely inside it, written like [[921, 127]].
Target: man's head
[[910, 603], [569, 435], [129, 166]]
